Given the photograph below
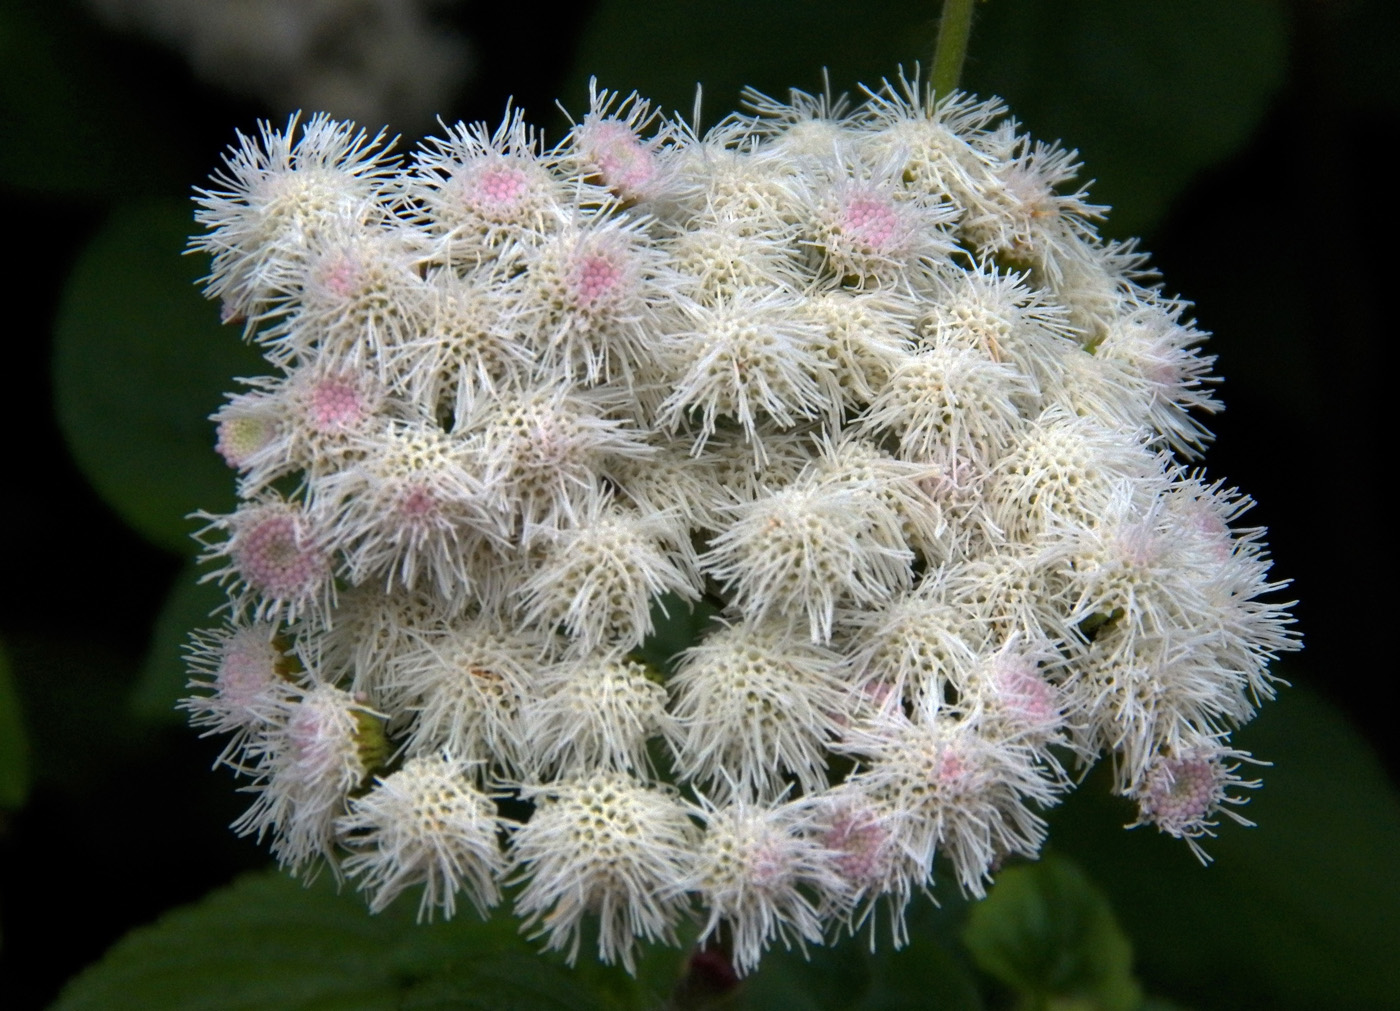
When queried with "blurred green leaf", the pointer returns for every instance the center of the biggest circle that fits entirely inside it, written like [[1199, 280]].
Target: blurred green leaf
[[1298, 913], [664, 48], [266, 943], [1048, 933], [659, 968], [14, 742], [140, 362], [677, 624], [71, 122], [849, 977], [72, 690], [1149, 93], [164, 674]]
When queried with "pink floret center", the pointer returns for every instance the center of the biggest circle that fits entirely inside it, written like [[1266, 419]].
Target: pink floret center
[[335, 405], [768, 866], [859, 843], [1027, 695], [952, 770], [312, 738], [624, 161], [418, 504], [500, 188], [245, 673], [871, 221], [1181, 792], [596, 281], [272, 557], [341, 277]]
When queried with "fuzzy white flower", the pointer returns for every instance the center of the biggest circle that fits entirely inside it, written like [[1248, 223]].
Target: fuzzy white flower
[[461, 688], [745, 359], [599, 579], [800, 551], [541, 451], [1182, 794], [603, 844], [954, 405], [278, 197], [753, 703], [826, 467], [425, 824], [248, 682], [410, 511], [278, 560], [963, 795], [478, 189], [756, 869], [304, 765], [596, 712]]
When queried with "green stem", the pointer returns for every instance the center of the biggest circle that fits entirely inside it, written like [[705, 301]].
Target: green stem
[[953, 30]]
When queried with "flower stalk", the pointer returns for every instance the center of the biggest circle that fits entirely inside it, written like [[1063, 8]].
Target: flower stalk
[[950, 49]]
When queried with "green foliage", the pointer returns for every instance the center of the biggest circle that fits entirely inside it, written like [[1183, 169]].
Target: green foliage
[[1049, 934], [140, 362], [1150, 93], [849, 977], [14, 743], [678, 624], [1298, 913], [266, 943]]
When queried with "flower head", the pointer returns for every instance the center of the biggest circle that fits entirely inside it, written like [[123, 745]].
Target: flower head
[[757, 869], [605, 844], [425, 824], [278, 197], [745, 525], [1183, 795]]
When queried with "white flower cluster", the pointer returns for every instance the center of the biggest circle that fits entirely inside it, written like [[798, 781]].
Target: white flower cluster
[[862, 384]]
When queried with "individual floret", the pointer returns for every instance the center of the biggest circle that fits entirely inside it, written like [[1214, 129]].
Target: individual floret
[[764, 875], [599, 579], [278, 561], [462, 688], [324, 744], [276, 199], [425, 824], [476, 190], [1184, 793], [541, 452], [964, 796], [755, 703], [866, 231], [596, 712], [247, 675], [607, 148], [602, 844], [411, 511], [748, 359], [802, 550], [953, 405]]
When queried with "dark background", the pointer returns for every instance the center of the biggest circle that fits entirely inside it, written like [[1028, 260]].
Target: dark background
[[1285, 245]]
